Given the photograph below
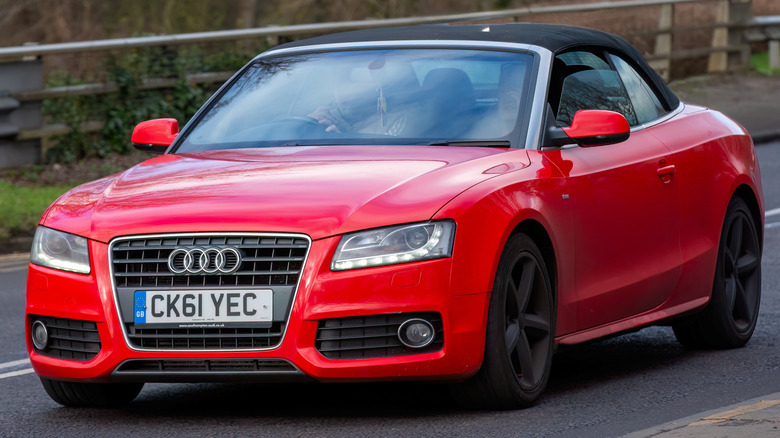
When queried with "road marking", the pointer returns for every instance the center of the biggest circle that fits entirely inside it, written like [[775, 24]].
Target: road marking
[[773, 212], [772, 225], [17, 373], [14, 363], [742, 410]]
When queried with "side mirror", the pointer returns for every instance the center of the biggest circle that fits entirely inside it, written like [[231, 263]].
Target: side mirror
[[155, 136], [598, 127]]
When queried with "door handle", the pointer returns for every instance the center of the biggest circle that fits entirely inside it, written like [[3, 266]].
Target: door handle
[[666, 171]]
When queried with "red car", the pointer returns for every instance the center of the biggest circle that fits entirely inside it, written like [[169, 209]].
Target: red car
[[442, 202]]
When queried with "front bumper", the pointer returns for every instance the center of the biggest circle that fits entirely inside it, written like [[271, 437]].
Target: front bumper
[[413, 289]]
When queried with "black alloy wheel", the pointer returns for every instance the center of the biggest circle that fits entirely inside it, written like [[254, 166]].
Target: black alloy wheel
[[742, 271], [520, 333], [730, 318], [527, 320]]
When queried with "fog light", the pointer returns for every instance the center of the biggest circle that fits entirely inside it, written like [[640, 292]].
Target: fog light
[[416, 333], [40, 335]]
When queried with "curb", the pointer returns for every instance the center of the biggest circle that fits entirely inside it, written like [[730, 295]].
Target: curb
[[14, 262], [14, 256], [705, 424], [762, 137], [14, 245]]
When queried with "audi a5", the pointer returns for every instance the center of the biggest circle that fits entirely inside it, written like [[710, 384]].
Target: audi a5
[[440, 202]]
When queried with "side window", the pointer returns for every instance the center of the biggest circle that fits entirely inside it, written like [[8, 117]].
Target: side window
[[583, 80], [646, 103], [587, 59]]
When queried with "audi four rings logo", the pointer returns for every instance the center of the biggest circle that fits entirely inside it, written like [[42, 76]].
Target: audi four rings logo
[[204, 261]]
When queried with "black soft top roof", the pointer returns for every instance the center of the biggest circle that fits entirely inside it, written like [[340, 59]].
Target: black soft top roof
[[555, 38]]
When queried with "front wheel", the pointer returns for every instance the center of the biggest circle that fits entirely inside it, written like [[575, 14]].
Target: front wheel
[[520, 333], [730, 317], [91, 395]]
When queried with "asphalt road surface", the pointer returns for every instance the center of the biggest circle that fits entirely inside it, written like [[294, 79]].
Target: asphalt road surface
[[605, 388]]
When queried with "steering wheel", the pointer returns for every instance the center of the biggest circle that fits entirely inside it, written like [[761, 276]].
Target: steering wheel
[[303, 120]]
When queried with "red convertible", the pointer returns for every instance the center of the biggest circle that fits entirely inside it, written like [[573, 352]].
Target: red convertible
[[442, 202]]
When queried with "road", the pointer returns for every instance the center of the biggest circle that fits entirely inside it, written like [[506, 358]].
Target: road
[[606, 388]]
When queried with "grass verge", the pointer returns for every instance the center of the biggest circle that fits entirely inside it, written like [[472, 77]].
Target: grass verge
[[760, 62], [21, 207], [26, 191]]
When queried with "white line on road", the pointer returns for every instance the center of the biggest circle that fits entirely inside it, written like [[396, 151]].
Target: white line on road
[[14, 363], [17, 373], [772, 212], [772, 225]]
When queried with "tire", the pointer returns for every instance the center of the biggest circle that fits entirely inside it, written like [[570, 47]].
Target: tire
[[520, 333], [91, 395], [730, 317]]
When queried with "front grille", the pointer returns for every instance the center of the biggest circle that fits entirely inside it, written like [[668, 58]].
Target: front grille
[[372, 336], [266, 261], [70, 339], [205, 338], [210, 365]]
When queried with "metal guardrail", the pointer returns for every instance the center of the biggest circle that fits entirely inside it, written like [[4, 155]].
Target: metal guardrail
[[318, 28], [101, 88]]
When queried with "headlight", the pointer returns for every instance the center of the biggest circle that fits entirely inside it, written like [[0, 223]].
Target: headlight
[[58, 250], [393, 245]]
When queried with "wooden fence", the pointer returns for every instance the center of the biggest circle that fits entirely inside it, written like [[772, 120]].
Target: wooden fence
[[732, 32]]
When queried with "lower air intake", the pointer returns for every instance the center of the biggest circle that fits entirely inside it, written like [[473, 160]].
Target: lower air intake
[[372, 336]]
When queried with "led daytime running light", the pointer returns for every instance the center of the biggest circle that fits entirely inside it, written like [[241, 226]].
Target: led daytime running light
[[72, 255], [426, 252]]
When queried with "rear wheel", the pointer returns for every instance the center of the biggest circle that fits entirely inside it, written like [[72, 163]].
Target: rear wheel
[[520, 333], [92, 395], [730, 317]]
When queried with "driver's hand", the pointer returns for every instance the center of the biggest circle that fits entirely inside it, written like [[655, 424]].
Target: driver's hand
[[325, 117]]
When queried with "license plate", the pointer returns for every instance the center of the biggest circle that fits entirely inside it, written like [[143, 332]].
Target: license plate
[[201, 308]]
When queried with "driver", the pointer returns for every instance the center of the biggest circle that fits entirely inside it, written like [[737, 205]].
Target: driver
[[359, 107]]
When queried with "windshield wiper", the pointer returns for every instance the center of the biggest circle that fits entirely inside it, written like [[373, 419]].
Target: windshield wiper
[[477, 143]]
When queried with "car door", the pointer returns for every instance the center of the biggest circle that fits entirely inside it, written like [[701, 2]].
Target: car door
[[624, 199], [695, 140]]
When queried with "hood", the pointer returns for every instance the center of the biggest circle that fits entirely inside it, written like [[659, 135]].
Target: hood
[[317, 190]]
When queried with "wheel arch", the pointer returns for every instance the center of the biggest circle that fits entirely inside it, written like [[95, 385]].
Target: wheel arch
[[536, 231], [746, 193]]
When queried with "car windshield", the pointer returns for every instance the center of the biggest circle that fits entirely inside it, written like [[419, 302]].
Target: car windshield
[[363, 97]]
